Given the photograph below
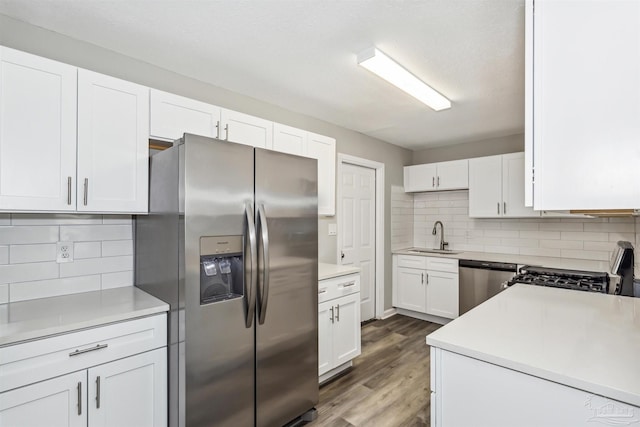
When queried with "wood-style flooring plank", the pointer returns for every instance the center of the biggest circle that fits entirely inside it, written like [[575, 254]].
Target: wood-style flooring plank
[[388, 385]]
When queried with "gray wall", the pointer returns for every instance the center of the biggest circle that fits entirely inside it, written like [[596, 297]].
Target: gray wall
[[26, 37], [467, 150]]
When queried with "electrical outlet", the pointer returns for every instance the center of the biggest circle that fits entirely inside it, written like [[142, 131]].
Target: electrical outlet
[[333, 229], [64, 252]]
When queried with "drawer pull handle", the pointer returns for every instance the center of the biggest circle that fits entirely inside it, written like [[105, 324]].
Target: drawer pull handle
[[323, 291], [87, 350], [337, 312], [346, 285]]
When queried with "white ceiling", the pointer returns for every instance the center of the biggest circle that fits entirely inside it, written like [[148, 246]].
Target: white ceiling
[[301, 55]]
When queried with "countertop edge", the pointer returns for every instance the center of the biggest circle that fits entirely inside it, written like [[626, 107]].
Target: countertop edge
[[329, 271]]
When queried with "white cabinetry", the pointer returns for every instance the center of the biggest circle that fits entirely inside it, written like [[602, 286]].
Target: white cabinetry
[[245, 129], [38, 104], [583, 105], [338, 324], [113, 132], [496, 187], [287, 139], [71, 139], [441, 176], [171, 116], [427, 285], [114, 375], [500, 397]]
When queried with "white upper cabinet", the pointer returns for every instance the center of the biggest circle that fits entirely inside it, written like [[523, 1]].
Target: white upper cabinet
[[287, 139], [37, 133], [583, 101], [113, 132], [496, 187], [323, 149], [245, 129], [172, 116], [453, 175]]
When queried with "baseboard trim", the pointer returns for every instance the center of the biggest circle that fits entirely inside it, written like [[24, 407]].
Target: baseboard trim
[[423, 316], [388, 313]]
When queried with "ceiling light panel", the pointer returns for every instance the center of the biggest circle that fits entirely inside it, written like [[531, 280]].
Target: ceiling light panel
[[380, 64]]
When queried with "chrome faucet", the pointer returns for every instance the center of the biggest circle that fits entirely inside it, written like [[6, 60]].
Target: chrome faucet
[[434, 231]]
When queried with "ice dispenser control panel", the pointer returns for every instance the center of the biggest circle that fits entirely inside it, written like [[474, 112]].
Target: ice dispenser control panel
[[221, 268]]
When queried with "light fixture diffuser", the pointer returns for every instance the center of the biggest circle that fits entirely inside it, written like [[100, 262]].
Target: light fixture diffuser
[[383, 66]]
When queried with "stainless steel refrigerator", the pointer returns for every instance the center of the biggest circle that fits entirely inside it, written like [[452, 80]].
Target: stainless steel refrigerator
[[231, 243]]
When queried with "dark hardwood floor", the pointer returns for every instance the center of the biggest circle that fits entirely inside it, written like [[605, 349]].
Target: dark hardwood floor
[[388, 385]]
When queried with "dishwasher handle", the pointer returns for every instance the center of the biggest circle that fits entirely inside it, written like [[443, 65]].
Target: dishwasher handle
[[486, 265]]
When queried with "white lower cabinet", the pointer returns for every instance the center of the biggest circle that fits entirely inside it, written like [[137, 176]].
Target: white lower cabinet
[[426, 285], [110, 376], [338, 324], [58, 402], [495, 396]]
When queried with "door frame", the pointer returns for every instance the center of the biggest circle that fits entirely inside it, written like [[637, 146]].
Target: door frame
[[379, 223]]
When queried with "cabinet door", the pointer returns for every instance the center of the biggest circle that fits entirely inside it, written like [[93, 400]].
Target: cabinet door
[[420, 178], [325, 337], [442, 294], [171, 116], [113, 153], [410, 290], [246, 129], [59, 402], [586, 83], [346, 329], [129, 392], [287, 139], [323, 149], [485, 187], [513, 187], [37, 133], [453, 175]]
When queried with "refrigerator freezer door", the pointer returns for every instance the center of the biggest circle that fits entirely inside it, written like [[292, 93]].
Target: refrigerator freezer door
[[219, 347], [287, 333]]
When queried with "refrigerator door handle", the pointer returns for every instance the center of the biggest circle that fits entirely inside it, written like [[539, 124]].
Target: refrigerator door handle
[[264, 294], [250, 291]]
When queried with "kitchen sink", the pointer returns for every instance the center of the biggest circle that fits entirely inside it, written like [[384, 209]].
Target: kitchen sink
[[435, 251]]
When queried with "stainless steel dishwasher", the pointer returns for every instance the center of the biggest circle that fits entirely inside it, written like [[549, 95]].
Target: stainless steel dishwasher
[[480, 280]]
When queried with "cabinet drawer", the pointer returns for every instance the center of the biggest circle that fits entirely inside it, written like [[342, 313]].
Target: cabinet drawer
[[410, 261], [442, 264], [32, 361], [338, 286]]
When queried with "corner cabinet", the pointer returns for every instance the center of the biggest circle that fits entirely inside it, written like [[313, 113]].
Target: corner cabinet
[[441, 176], [71, 140], [582, 104], [110, 376], [426, 285], [496, 187], [338, 324]]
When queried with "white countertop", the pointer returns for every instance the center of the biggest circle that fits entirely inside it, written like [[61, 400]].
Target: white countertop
[[588, 341], [327, 271], [551, 262], [25, 320]]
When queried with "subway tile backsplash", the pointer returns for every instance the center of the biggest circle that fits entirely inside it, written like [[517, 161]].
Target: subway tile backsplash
[[102, 246], [581, 238]]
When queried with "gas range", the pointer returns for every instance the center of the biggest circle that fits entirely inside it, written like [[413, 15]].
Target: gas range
[[589, 281]]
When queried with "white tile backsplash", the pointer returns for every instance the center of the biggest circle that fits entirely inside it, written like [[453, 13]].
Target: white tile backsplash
[[54, 287], [103, 254], [580, 237], [20, 254]]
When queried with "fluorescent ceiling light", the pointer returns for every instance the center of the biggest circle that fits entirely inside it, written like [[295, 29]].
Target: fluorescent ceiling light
[[379, 63]]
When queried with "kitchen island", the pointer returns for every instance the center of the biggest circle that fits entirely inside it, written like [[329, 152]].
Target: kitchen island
[[535, 356]]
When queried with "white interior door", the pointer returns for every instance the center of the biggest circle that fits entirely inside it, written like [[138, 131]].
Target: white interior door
[[358, 219]]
